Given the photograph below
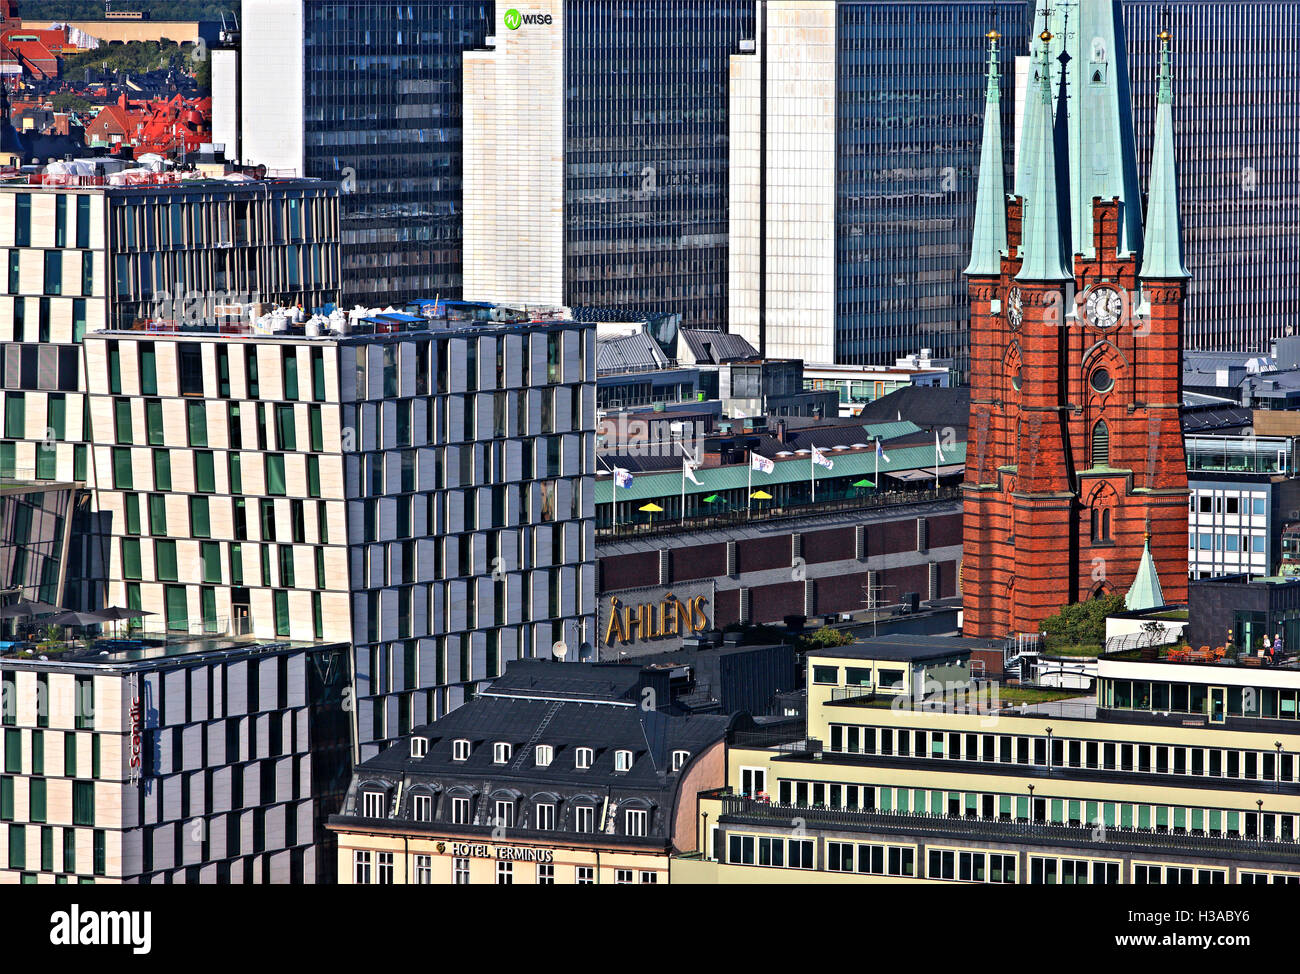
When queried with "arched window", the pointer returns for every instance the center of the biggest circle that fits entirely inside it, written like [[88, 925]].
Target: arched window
[[1100, 524], [1101, 444]]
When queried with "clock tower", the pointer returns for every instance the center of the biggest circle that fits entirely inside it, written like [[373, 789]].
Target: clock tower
[[1075, 471]]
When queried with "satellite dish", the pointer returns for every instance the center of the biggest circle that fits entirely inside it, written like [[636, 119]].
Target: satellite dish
[[560, 649]]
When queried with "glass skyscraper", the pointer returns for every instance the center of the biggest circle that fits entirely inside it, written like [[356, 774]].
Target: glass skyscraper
[[1237, 136], [382, 96], [910, 109], [646, 153]]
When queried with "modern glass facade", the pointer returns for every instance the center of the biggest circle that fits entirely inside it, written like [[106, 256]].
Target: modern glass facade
[[646, 153], [1237, 136], [910, 93], [382, 114]]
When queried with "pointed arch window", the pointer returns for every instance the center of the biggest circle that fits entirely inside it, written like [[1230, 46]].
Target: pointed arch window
[[1101, 444]]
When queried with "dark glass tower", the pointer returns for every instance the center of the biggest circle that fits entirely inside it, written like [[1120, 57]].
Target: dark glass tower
[[646, 153], [1237, 138], [382, 114], [910, 91]]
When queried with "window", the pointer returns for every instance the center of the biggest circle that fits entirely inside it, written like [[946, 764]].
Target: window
[[546, 874], [1101, 444], [460, 811], [543, 755], [419, 747], [373, 804], [545, 816], [622, 760], [584, 818], [584, 876], [582, 758], [191, 369], [636, 822], [500, 753], [360, 867], [826, 675], [422, 808], [622, 876], [648, 876], [460, 750], [505, 814], [1101, 380], [385, 869], [679, 759], [460, 872], [505, 873], [423, 870]]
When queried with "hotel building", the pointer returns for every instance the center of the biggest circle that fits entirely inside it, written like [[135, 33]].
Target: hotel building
[[1172, 771], [171, 759], [420, 487], [573, 774], [78, 255]]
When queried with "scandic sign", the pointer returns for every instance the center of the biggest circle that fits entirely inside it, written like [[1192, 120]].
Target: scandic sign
[[514, 19]]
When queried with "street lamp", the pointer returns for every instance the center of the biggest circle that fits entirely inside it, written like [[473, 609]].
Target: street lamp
[[1031, 804], [1277, 776]]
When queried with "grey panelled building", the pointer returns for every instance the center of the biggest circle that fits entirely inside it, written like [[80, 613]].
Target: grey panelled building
[[1237, 140], [418, 486]]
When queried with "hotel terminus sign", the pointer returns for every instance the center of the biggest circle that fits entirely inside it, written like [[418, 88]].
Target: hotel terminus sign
[[635, 621]]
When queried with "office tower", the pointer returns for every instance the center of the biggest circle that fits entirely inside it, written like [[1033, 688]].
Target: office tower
[[79, 255], [183, 760], [596, 137], [418, 487], [368, 94], [855, 137], [1238, 143], [1076, 481]]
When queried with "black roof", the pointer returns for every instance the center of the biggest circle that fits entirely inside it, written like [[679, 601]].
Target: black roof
[[931, 407], [908, 647]]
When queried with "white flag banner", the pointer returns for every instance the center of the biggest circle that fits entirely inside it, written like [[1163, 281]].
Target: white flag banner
[[760, 463], [938, 450], [880, 452], [822, 460], [622, 477], [688, 471]]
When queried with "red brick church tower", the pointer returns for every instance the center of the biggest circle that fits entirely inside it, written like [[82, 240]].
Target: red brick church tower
[[1075, 457]]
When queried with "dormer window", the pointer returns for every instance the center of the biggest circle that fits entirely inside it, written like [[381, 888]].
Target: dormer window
[[419, 747], [460, 750], [543, 754], [500, 753], [622, 760], [582, 758], [373, 804], [680, 758]]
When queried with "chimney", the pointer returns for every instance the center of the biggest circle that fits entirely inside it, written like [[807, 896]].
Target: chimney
[[780, 430]]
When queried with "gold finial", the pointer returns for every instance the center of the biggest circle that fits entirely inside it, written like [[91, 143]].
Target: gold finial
[[1045, 36], [993, 35]]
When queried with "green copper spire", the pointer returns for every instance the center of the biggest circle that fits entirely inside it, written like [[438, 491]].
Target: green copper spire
[[1086, 53], [1145, 591], [1163, 257], [1043, 242], [989, 242]]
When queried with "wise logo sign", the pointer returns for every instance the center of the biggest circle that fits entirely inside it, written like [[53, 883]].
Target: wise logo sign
[[514, 19]]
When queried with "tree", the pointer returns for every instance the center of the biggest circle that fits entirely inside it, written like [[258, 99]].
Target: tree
[[1082, 622], [825, 638]]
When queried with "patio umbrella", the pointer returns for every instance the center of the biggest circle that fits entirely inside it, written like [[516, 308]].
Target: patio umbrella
[[864, 483], [78, 619], [113, 613], [761, 495], [651, 508], [27, 609], [712, 499]]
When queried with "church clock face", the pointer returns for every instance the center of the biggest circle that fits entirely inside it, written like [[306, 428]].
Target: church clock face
[[1104, 307], [1015, 308]]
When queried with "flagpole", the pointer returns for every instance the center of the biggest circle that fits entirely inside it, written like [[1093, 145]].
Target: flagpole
[[936, 463], [812, 473], [749, 494], [683, 491], [877, 465]]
